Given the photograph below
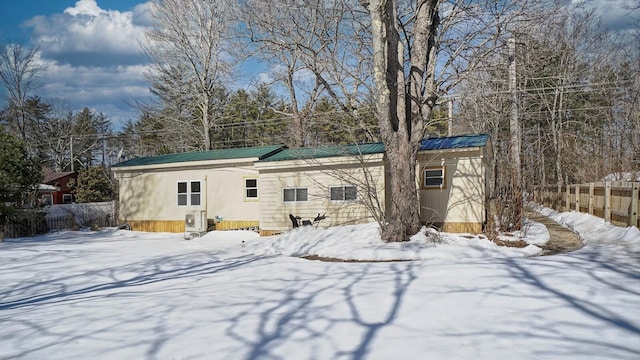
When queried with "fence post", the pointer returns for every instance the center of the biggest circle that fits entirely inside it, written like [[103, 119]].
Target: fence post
[[591, 195], [607, 201], [568, 198], [577, 198], [633, 216]]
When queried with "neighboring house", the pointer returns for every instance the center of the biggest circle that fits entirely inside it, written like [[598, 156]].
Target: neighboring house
[[55, 187], [260, 187], [158, 193]]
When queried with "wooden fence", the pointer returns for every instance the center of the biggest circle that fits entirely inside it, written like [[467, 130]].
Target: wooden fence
[[614, 201], [31, 222]]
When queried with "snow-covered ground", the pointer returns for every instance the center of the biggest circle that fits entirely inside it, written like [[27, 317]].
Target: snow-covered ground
[[118, 294]]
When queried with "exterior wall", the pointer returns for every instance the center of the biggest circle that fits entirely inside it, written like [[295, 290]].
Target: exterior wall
[[317, 176], [148, 199], [459, 205], [57, 197]]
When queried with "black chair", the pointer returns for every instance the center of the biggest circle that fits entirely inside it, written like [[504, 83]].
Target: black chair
[[294, 221]]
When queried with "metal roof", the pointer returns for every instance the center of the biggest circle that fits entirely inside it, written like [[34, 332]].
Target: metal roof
[[281, 153], [316, 152], [260, 152], [454, 142]]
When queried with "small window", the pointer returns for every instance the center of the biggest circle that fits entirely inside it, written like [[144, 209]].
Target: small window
[[251, 188], [47, 199], [295, 195], [189, 193], [67, 198], [433, 178], [343, 193], [182, 194]]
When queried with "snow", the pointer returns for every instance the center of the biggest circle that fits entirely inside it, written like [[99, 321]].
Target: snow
[[362, 242], [117, 294]]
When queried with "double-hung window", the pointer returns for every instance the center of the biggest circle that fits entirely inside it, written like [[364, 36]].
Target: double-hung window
[[343, 193], [433, 178], [189, 193], [251, 188], [295, 194]]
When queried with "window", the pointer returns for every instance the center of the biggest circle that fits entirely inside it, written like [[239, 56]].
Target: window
[[67, 198], [433, 178], [343, 193], [47, 199], [251, 188], [195, 193], [182, 194], [295, 194], [189, 193]]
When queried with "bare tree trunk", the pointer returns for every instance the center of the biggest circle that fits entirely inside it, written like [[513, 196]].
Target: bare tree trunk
[[400, 125], [515, 142], [403, 219]]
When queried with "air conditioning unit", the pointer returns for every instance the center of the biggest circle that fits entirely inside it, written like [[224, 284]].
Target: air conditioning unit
[[195, 221]]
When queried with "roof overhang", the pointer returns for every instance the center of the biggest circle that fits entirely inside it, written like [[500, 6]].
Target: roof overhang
[[346, 160], [184, 165]]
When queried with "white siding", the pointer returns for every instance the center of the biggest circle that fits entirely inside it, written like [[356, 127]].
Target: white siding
[[462, 199], [318, 178], [153, 195]]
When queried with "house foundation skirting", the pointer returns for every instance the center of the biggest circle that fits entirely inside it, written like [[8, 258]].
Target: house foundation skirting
[[177, 226], [459, 227], [174, 226], [238, 225]]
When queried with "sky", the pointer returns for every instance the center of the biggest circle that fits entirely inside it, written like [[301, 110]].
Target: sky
[[90, 51], [233, 295], [91, 48]]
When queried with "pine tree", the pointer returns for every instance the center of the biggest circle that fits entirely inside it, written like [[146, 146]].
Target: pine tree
[[19, 175], [93, 185]]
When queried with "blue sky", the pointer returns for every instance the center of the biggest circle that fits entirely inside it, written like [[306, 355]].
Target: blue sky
[[91, 52]]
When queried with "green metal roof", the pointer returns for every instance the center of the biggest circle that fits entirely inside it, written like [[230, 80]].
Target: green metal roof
[[281, 153], [316, 152], [221, 154], [454, 142]]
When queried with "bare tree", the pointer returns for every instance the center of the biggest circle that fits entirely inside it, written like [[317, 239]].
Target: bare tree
[[422, 50], [18, 72], [186, 46], [318, 48]]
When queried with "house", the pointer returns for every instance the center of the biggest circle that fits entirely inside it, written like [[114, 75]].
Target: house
[[158, 193], [55, 186], [263, 187], [454, 185], [347, 184], [343, 182]]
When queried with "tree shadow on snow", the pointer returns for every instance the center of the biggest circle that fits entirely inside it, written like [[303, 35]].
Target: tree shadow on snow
[[598, 287], [313, 307]]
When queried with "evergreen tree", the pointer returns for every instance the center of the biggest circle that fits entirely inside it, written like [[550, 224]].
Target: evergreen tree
[[19, 175], [93, 185]]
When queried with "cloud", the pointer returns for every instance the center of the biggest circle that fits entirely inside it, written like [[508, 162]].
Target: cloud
[[92, 58], [85, 34], [616, 15], [109, 90]]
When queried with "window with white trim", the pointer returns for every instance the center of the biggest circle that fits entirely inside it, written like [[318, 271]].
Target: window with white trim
[[343, 193], [433, 178], [295, 194], [189, 193], [251, 188], [67, 198]]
